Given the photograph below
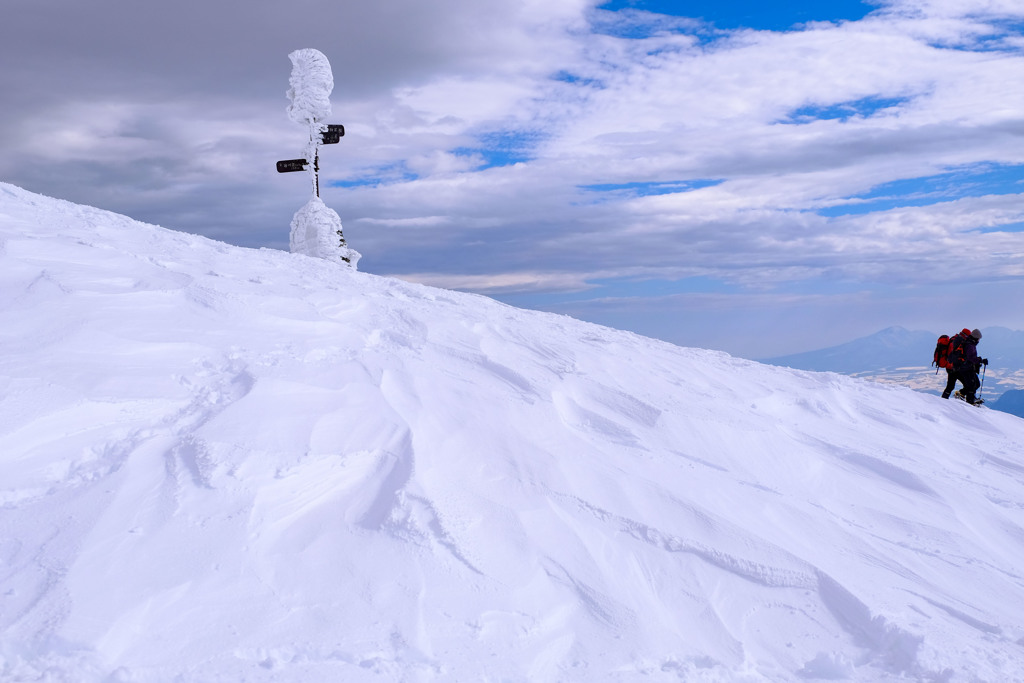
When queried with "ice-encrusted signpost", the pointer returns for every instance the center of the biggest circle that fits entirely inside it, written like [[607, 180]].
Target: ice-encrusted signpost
[[315, 228]]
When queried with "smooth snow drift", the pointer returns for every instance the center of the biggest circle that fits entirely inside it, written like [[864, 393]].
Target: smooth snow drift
[[222, 464]]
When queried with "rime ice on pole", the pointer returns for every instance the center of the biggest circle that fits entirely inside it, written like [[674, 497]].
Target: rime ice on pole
[[315, 228], [311, 85]]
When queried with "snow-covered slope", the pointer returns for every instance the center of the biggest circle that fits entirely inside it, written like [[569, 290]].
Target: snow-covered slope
[[220, 464]]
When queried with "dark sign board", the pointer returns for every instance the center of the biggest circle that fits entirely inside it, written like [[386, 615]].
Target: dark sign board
[[291, 165], [333, 134]]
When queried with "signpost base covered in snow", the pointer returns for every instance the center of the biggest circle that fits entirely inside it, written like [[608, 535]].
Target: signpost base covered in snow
[[316, 231]]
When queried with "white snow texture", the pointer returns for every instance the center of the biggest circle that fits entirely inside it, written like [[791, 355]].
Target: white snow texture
[[227, 464], [311, 84], [316, 231]]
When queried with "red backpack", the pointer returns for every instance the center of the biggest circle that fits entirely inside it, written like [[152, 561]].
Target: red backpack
[[949, 351], [941, 356], [955, 356]]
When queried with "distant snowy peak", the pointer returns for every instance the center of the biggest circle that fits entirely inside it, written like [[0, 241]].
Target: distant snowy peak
[[893, 347]]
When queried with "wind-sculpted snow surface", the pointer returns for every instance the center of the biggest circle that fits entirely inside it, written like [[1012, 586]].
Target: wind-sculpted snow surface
[[220, 464]]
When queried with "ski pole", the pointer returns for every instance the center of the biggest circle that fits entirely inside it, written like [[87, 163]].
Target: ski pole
[[983, 369]]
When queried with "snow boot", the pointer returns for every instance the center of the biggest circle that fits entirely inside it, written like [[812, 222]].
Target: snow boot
[[968, 399]]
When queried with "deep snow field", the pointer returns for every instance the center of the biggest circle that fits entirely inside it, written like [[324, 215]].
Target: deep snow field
[[227, 464]]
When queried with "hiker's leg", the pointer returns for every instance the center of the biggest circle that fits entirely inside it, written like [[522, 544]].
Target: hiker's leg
[[950, 383]]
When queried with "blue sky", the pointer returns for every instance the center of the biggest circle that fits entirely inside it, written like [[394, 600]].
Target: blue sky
[[755, 14], [762, 178]]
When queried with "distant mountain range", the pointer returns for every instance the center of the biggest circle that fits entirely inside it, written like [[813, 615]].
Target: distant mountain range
[[1011, 402], [899, 356]]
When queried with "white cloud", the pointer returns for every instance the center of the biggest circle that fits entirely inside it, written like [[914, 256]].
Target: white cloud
[[673, 110], [491, 284], [475, 131]]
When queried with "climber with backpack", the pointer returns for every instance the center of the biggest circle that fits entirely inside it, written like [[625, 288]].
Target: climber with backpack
[[962, 363], [940, 359]]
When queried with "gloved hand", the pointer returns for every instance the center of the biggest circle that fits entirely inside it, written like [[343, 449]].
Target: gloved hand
[[984, 361]]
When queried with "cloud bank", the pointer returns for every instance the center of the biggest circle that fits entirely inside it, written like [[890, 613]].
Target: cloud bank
[[562, 156]]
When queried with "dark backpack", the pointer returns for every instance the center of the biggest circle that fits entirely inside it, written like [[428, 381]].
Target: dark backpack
[[941, 356]]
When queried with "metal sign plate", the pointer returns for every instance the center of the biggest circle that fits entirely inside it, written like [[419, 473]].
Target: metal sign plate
[[291, 165]]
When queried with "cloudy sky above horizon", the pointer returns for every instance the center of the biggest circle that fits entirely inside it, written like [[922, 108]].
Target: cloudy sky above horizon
[[762, 180]]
